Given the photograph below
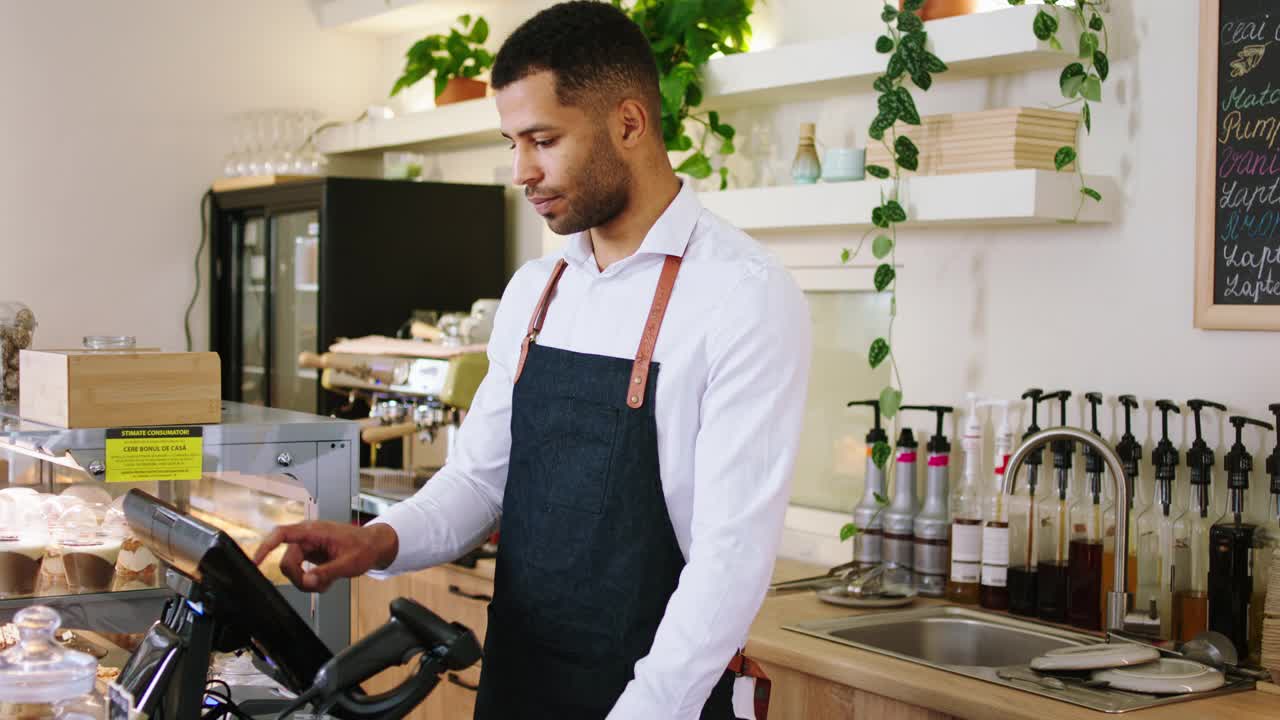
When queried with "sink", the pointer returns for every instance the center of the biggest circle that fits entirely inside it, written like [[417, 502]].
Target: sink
[[980, 645]]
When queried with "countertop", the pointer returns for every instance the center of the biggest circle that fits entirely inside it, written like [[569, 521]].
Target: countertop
[[935, 689]]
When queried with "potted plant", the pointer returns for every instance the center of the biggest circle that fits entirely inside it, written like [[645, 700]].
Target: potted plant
[[454, 60]]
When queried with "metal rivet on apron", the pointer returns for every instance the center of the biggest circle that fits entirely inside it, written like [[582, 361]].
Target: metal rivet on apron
[[635, 399], [637, 380]]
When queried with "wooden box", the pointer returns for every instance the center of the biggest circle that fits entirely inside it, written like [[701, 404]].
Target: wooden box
[[93, 389]]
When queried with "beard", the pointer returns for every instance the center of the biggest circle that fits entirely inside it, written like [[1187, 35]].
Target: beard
[[600, 192]]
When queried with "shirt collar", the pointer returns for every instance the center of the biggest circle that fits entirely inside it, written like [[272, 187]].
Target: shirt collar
[[668, 236]]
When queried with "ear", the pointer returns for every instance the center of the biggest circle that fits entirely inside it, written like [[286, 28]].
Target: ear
[[636, 125]]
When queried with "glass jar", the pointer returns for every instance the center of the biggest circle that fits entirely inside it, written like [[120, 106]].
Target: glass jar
[[110, 342], [41, 680], [17, 326]]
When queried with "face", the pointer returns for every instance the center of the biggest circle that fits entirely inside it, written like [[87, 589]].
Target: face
[[563, 156]]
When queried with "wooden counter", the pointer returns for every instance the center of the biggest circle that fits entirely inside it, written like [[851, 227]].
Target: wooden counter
[[816, 678]]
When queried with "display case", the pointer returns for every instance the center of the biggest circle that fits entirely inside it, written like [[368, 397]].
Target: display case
[[64, 542]]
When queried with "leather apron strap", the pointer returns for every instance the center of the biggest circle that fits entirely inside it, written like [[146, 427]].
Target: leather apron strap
[[648, 339]]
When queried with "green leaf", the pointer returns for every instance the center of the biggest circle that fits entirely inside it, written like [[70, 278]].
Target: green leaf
[[878, 217], [480, 32], [890, 401], [908, 162], [933, 63], [909, 22], [1088, 44], [878, 171], [922, 79], [881, 123], [884, 275], [1053, 43], [878, 351], [724, 177], [848, 530], [896, 65], [907, 107], [726, 147], [1095, 22], [1091, 193], [696, 165], [1045, 25], [845, 255], [904, 146], [1064, 157], [881, 499], [1069, 73], [1017, 2], [881, 246], [888, 13], [464, 20], [882, 84], [894, 212], [880, 455], [912, 5], [1101, 64], [1092, 89], [884, 44], [674, 86], [713, 119], [1088, 123]]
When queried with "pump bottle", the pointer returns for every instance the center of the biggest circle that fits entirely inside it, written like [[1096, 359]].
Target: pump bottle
[[994, 591], [899, 519], [966, 515], [931, 529], [867, 545]]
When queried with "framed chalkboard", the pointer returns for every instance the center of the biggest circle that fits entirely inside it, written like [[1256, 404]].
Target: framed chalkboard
[[1238, 166]]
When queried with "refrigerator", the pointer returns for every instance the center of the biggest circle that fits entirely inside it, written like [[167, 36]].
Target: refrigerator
[[297, 265]]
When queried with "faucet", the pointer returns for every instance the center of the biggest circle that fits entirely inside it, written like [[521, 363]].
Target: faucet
[[1118, 598]]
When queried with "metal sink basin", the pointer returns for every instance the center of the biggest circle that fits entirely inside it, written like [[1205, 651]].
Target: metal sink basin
[[983, 645]]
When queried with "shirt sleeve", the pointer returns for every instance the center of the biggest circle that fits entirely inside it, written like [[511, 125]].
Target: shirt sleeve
[[460, 506], [749, 428]]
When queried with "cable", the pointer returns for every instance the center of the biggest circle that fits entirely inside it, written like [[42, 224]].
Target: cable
[[206, 199]]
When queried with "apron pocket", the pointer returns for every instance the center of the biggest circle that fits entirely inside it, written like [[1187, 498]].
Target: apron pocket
[[582, 447]]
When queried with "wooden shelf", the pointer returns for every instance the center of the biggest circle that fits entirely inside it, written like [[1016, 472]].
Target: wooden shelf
[[994, 198], [981, 44]]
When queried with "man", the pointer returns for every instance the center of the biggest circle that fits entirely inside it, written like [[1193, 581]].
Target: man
[[641, 491]]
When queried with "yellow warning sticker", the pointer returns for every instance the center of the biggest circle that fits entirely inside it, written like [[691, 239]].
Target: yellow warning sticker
[[154, 453]]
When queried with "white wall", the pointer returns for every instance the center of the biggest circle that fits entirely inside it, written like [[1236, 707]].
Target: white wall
[[114, 123]]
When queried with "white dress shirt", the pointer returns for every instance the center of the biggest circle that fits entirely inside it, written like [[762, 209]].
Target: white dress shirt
[[734, 354]]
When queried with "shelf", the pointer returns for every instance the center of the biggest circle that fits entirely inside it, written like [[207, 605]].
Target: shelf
[[391, 17], [994, 198], [984, 43], [306, 287]]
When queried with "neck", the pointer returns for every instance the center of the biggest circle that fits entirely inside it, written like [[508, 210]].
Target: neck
[[622, 236]]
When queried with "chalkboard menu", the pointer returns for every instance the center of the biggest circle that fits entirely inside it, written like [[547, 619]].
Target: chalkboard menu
[[1238, 223]]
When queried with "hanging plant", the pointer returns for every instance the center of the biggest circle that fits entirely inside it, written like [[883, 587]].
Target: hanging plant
[[684, 35], [1080, 81], [904, 42]]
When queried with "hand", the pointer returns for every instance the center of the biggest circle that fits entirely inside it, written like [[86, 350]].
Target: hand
[[336, 549]]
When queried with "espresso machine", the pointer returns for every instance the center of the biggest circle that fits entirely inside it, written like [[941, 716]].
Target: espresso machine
[[416, 391]]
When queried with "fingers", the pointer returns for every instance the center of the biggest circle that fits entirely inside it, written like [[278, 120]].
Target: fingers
[[291, 565], [282, 534], [349, 563]]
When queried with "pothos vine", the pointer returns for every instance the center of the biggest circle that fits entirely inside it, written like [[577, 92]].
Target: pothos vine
[[1080, 82], [904, 42]]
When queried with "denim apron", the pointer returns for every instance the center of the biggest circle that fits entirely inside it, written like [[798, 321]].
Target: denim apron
[[588, 556]]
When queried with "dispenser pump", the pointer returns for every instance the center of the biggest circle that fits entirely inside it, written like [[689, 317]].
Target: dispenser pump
[[1165, 455], [1092, 460], [877, 433], [1129, 449], [1200, 456], [1239, 464], [1035, 395], [938, 444], [1062, 449]]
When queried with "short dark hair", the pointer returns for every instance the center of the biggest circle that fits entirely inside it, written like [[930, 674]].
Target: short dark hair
[[596, 53]]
